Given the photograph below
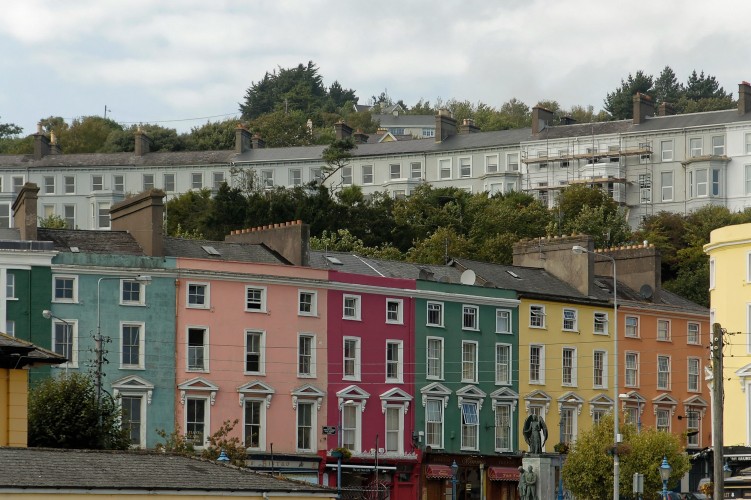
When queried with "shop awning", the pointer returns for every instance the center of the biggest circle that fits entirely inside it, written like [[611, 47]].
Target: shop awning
[[503, 473], [438, 472]]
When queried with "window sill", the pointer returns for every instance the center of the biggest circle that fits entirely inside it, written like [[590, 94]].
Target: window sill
[[434, 325], [193, 306], [475, 330]]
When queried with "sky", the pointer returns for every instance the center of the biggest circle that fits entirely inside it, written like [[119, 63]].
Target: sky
[[182, 63]]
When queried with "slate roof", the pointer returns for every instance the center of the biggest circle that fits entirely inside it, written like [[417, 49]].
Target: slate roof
[[355, 264], [241, 252], [127, 159], [389, 120], [49, 469], [91, 241], [16, 353]]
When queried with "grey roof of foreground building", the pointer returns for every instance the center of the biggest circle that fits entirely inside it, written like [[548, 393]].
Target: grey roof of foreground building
[[54, 469]]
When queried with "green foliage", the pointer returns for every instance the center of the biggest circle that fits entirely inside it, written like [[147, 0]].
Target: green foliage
[[176, 442], [189, 211], [337, 156], [221, 440], [619, 103], [588, 470], [86, 135], [9, 130], [589, 210], [280, 129], [212, 136], [53, 222], [161, 139], [440, 246], [64, 413]]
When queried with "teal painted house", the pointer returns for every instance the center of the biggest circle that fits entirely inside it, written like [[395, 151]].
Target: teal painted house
[[466, 365]]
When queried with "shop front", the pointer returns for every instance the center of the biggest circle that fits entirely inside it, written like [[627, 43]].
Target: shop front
[[477, 476], [368, 477]]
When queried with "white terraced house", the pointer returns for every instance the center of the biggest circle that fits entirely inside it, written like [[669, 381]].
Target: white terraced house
[[653, 162]]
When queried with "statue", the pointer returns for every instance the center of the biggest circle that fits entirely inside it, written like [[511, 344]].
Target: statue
[[535, 433], [529, 479], [522, 486]]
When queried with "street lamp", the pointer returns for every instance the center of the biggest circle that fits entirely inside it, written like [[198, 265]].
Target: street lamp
[[47, 314], [340, 442], [578, 249], [454, 469], [665, 471], [626, 397]]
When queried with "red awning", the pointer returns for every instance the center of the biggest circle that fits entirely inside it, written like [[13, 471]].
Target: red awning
[[438, 472], [503, 473]]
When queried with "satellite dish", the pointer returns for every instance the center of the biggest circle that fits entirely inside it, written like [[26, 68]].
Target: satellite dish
[[468, 277], [646, 292]]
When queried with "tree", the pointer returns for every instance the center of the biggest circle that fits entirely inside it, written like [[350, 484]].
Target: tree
[[161, 139], [443, 244], [53, 221], [213, 136], [86, 135], [189, 211], [667, 88], [9, 130], [279, 129], [517, 112], [64, 413], [619, 103], [337, 156], [588, 470], [589, 210]]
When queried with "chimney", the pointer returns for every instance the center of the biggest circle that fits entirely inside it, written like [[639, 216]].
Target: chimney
[[445, 125], [343, 131], [258, 143], [567, 120], [643, 107], [744, 98], [25, 211], [54, 146], [638, 265], [541, 118], [468, 126], [665, 109], [242, 139], [143, 217], [555, 256], [361, 137], [142, 142], [41, 143], [291, 240]]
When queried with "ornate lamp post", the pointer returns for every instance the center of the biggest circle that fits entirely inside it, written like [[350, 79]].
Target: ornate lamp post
[[454, 469], [665, 471]]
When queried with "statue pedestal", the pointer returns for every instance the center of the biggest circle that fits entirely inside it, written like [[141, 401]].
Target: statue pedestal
[[545, 466]]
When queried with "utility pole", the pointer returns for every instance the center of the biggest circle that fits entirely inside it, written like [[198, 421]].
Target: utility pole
[[717, 410]]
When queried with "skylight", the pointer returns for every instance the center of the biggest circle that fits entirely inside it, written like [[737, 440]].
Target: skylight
[[210, 250]]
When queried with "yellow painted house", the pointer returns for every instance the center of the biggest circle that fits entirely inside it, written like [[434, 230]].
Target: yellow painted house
[[16, 356], [729, 253]]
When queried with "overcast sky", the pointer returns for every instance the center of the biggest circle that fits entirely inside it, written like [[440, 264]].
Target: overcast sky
[[181, 63]]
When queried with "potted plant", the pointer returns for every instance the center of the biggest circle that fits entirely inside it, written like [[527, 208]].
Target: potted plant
[[561, 448], [341, 452]]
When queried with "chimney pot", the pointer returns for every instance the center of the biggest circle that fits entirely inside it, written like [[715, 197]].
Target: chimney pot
[[744, 98], [242, 139], [643, 107]]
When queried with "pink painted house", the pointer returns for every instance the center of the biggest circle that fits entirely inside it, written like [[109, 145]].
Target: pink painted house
[[252, 346], [371, 381]]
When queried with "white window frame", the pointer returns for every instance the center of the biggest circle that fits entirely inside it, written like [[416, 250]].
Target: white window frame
[[437, 306], [600, 323], [632, 328], [395, 171], [631, 371], [168, 182], [503, 372], [666, 188], [748, 143], [665, 384], [206, 419], [662, 419], [601, 371], [148, 182], [355, 360], [395, 311], [388, 408], [465, 167], [10, 287], [539, 379], [217, 179], [569, 372], [436, 403], [72, 300], [141, 345], [313, 304], [537, 316], [367, 174], [204, 368], [438, 359], [49, 184], [512, 162], [189, 296], [141, 293], [351, 307], [313, 425], [568, 414], [695, 146], [69, 220], [312, 361], [73, 325], [258, 304], [572, 320], [470, 364], [666, 150], [470, 422], [718, 149], [503, 316], [701, 178], [503, 428], [97, 182], [102, 215], [261, 334], [491, 163], [693, 329], [356, 409], [261, 402], [415, 173], [346, 176], [196, 180], [693, 377], [141, 417], [397, 364], [472, 314], [445, 165], [69, 184], [664, 334]]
